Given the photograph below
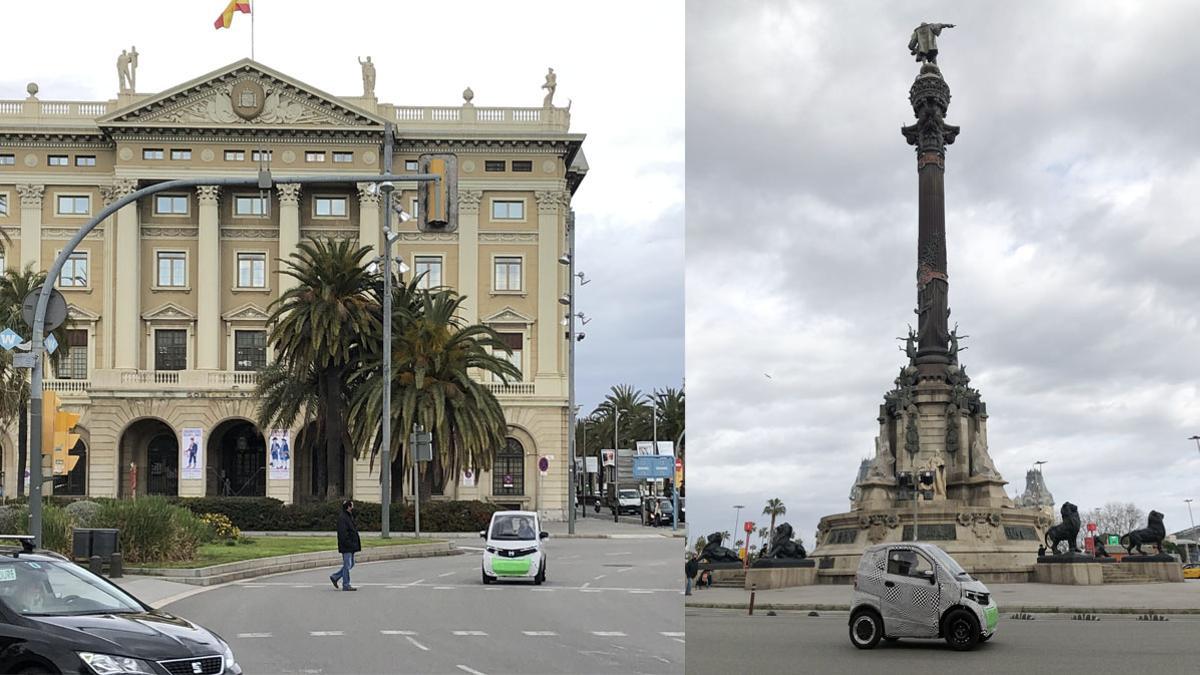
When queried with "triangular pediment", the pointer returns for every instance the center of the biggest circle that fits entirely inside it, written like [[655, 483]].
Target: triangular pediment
[[169, 312], [244, 94], [79, 314], [508, 315], [247, 312]]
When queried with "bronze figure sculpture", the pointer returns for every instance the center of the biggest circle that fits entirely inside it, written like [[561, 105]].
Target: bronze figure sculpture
[[923, 43], [1067, 530], [782, 545], [1154, 533]]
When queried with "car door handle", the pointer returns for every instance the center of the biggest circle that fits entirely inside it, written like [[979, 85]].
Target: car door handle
[[889, 584]]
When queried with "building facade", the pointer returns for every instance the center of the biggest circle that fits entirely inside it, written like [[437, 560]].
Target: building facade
[[169, 298]]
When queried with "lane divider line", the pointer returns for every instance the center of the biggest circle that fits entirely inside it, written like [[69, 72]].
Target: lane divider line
[[253, 635], [407, 632], [416, 644], [608, 633], [539, 633], [472, 671], [326, 633], [469, 633]]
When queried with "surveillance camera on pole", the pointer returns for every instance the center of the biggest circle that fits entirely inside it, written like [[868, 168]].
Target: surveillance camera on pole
[[438, 201]]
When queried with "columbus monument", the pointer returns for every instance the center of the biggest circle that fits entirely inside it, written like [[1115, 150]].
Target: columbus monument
[[932, 477]]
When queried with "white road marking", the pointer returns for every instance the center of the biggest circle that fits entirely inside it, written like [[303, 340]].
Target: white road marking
[[608, 633], [400, 586], [680, 641], [539, 633], [416, 582], [416, 644], [447, 574], [543, 590], [662, 659], [599, 577], [624, 569], [592, 590], [407, 632], [326, 633], [585, 585], [472, 671], [619, 553], [254, 585], [472, 633], [493, 589], [674, 635], [443, 588], [302, 585], [253, 635], [470, 548]]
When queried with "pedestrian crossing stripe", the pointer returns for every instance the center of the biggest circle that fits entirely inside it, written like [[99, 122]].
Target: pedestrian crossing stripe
[[539, 633], [398, 632], [610, 633], [470, 633], [669, 634]]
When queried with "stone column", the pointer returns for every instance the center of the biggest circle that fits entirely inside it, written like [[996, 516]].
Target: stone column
[[289, 231], [128, 262], [31, 224], [468, 254], [208, 280], [368, 217], [549, 331]]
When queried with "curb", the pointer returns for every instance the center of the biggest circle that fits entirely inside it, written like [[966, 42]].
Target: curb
[[475, 535], [1028, 609], [248, 569]]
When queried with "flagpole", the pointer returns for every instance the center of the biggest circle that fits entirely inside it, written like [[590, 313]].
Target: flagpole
[[251, 30]]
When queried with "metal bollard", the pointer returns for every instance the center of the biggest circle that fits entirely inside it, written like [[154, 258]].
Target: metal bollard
[[752, 589], [115, 566], [96, 565]]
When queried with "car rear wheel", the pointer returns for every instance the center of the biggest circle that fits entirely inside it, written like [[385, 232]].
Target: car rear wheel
[[961, 630], [866, 629]]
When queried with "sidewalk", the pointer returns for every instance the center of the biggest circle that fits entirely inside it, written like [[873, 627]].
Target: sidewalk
[[154, 591], [591, 527], [1033, 598]]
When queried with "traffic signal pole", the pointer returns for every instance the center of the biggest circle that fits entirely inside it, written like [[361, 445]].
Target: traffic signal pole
[[263, 181]]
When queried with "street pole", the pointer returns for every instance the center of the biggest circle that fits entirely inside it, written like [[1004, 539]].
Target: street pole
[[736, 516], [1197, 439], [386, 432], [1191, 556], [571, 494], [416, 486]]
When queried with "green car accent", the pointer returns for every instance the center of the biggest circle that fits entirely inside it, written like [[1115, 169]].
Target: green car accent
[[992, 614], [519, 567]]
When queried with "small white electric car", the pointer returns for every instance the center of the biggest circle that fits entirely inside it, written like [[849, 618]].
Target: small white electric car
[[916, 590], [513, 547]]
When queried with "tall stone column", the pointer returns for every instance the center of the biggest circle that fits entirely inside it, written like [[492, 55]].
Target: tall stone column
[[208, 279], [289, 231], [368, 217], [31, 224], [127, 335], [468, 253], [550, 246]]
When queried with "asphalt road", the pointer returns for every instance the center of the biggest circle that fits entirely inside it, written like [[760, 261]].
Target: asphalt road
[[727, 641], [608, 606]]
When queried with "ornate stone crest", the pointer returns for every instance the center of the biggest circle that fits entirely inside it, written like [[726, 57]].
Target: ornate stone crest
[[248, 97]]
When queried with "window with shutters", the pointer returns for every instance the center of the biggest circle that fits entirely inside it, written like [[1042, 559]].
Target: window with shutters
[[250, 349], [74, 366], [170, 349], [508, 469]]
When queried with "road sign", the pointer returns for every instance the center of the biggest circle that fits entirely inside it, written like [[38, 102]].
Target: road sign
[[1091, 527], [652, 466], [9, 339], [23, 360], [51, 343], [56, 309], [544, 465], [422, 443], [748, 526], [1114, 540], [591, 464]]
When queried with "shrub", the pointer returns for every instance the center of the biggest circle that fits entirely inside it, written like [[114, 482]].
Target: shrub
[[14, 519], [221, 527], [247, 513], [83, 513], [153, 529], [56, 525], [263, 514]]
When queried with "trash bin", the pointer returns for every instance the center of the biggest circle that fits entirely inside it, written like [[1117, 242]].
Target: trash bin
[[89, 541]]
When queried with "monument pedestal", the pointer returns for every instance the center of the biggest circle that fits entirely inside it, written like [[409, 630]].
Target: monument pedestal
[[1072, 572], [1159, 568], [766, 577]]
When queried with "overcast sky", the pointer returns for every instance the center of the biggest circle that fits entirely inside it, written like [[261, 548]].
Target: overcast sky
[[624, 78], [1073, 241]]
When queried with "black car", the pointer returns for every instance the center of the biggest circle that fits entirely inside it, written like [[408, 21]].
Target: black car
[[57, 617]]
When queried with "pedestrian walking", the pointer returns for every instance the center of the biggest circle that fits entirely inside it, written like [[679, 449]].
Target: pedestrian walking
[[1041, 550], [690, 569], [348, 544]]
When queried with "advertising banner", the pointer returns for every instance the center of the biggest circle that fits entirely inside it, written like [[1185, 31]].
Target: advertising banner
[[591, 464], [609, 457], [666, 448], [645, 448], [191, 454], [653, 467], [468, 478], [280, 448]]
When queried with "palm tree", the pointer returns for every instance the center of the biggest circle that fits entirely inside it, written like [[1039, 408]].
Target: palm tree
[[764, 534], [669, 409], [726, 536], [774, 508], [433, 358], [634, 418], [318, 329], [701, 542]]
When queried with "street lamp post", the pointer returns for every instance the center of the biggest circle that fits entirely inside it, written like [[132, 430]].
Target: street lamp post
[[737, 514], [1197, 439], [1194, 547], [570, 262]]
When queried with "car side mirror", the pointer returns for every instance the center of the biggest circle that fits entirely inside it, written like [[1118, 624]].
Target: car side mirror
[[483, 534], [543, 535], [929, 574]]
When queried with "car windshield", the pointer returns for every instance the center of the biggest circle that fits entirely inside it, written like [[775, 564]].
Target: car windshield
[[513, 527], [949, 563], [664, 506], [629, 494], [41, 588]]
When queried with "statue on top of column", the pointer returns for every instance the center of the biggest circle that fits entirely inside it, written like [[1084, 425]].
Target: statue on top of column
[[923, 43], [550, 85], [368, 77], [127, 64]]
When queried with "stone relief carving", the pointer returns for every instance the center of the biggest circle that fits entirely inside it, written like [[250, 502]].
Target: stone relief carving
[[247, 233], [550, 200], [218, 107], [468, 201], [428, 236], [170, 232], [289, 194], [508, 237], [981, 461], [884, 465], [368, 194], [208, 194], [31, 196], [68, 232]]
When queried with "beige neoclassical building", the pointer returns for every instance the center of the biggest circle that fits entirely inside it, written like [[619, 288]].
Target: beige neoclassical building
[[169, 298]]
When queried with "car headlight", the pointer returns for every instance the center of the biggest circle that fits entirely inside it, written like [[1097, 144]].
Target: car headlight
[[229, 660], [980, 598], [490, 549], [108, 664]]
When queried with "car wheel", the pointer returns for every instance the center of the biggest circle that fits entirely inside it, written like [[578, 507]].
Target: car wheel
[[961, 630], [540, 577], [866, 629], [486, 578]]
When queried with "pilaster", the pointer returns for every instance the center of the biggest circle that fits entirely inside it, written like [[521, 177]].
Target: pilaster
[[208, 280], [31, 224], [127, 261], [289, 230], [549, 205], [468, 253], [368, 217]]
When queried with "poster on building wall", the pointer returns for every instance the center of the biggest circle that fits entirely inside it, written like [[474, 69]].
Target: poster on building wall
[[666, 448], [609, 457], [468, 478], [191, 454], [280, 457], [645, 448]]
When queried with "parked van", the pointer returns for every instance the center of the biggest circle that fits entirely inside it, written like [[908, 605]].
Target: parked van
[[916, 590]]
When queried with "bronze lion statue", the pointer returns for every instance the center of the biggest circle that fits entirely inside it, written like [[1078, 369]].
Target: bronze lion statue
[[1067, 530], [714, 552], [1153, 533], [782, 545]]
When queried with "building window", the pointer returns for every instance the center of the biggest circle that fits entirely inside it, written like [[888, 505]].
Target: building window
[[171, 204], [508, 470], [515, 342], [252, 270], [3, 204], [170, 350], [249, 349], [343, 157], [152, 153], [431, 266], [249, 206], [332, 207], [312, 156], [74, 272], [522, 165], [74, 205], [74, 365], [172, 269], [181, 154], [58, 160], [508, 274], [260, 155], [85, 160], [409, 164], [235, 155], [8, 160], [508, 210]]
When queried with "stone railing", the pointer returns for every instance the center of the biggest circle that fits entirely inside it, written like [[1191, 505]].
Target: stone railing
[[510, 389], [529, 119], [54, 110], [68, 388], [173, 380]]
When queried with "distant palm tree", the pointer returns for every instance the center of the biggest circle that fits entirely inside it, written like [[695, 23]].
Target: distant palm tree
[[774, 508], [634, 420], [701, 542], [669, 408], [726, 536], [764, 534]]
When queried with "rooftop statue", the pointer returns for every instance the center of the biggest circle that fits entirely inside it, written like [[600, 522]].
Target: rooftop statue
[[550, 85], [923, 43]]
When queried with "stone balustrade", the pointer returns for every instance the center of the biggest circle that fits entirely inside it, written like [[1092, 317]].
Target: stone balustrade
[[56, 110]]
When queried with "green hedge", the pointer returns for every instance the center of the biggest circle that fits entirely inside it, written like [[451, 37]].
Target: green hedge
[[264, 514]]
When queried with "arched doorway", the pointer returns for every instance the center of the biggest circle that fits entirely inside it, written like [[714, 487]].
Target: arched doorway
[[508, 472], [149, 459], [74, 483], [237, 460]]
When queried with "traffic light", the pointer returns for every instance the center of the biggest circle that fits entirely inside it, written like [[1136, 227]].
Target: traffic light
[[437, 206], [57, 439]]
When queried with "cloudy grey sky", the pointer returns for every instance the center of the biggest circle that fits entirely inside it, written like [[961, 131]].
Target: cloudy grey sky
[[1074, 244], [624, 78]]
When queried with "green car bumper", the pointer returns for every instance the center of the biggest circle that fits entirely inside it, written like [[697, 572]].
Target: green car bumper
[[991, 615], [511, 568]]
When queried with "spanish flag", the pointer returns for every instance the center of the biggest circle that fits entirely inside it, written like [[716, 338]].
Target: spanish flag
[[226, 17]]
